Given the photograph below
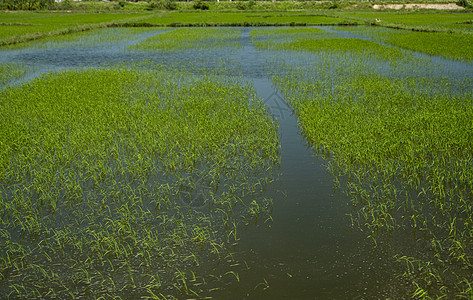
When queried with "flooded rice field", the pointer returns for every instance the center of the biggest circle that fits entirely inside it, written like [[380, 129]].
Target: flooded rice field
[[234, 163]]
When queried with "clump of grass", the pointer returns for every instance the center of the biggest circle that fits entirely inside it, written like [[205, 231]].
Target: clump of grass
[[318, 40], [212, 18], [126, 182], [10, 72], [452, 45], [41, 25], [407, 156], [400, 146], [449, 45], [432, 20], [196, 38], [88, 39], [283, 31], [282, 38]]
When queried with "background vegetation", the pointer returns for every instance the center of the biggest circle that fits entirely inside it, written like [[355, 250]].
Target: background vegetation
[[201, 4]]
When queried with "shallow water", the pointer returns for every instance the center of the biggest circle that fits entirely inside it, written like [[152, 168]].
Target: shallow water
[[309, 249]]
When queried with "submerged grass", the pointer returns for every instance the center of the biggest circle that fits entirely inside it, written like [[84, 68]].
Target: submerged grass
[[127, 183], [319, 40], [453, 45], [401, 147], [283, 38], [10, 72], [45, 24], [40, 25], [211, 18], [426, 19], [449, 45], [195, 38], [94, 38]]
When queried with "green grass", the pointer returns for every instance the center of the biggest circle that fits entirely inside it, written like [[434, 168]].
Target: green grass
[[43, 24], [66, 18], [127, 182], [9, 72], [88, 39], [122, 182], [453, 45], [288, 34], [428, 18], [196, 38], [241, 18], [318, 40], [49, 24], [400, 147], [450, 45], [214, 6]]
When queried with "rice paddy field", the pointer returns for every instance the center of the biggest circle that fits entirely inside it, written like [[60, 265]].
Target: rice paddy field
[[275, 162]]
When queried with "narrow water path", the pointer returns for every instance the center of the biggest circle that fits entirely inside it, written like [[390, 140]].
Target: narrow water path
[[309, 250]]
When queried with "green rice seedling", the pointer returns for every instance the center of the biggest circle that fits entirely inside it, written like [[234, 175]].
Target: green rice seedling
[[88, 39], [281, 38], [40, 25], [212, 18], [11, 72], [94, 166], [331, 45], [318, 40], [299, 32], [401, 149], [453, 45], [450, 45], [434, 34], [186, 38], [66, 18], [427, 19]]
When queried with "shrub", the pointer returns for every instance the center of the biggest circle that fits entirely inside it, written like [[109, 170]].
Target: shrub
[[244, 5], [199, 4], [162, 4], [465, 3]]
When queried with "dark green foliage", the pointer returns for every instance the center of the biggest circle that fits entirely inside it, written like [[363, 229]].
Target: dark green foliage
[[334, 5], [26, 4], [465, 3], [199, 4], [244, 5], [162, 4]]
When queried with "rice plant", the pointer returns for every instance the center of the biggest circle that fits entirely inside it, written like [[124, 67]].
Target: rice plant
[[10, 72], [124, 182], [195, 38], [402, 148]]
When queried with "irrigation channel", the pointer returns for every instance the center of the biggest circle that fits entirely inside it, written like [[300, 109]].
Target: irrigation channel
[[306, 247]]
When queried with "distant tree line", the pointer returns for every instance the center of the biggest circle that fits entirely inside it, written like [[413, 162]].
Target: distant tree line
[[152, 4], [50, 4], [26, 4]]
